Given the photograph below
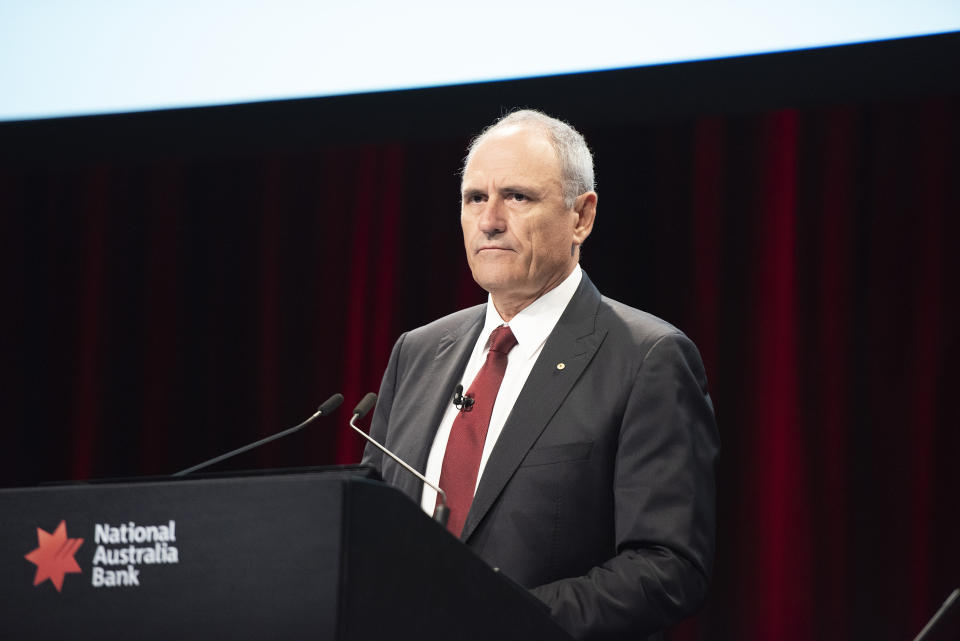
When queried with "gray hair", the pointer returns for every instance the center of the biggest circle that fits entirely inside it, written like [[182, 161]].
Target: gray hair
[[576, 161]]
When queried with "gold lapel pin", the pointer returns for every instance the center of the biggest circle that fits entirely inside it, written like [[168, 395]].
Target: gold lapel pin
[[561, 365]]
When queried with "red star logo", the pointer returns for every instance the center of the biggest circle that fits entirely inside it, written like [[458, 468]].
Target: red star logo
[[54, 556]]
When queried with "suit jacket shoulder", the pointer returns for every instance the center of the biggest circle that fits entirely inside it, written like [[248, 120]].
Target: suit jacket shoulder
[[636, 326]]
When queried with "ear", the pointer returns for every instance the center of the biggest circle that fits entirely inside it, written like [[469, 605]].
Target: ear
[[585, 207]]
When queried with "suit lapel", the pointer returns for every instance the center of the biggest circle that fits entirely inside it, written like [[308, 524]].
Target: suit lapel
[[438, 379], [573, 342]]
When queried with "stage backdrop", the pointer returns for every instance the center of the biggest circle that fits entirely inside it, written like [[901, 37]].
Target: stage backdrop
[[161, 309]]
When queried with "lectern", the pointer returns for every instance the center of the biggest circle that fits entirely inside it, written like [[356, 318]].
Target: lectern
[[303, 555]]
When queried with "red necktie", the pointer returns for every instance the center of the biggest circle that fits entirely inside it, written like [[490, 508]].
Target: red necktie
[[461, 460]]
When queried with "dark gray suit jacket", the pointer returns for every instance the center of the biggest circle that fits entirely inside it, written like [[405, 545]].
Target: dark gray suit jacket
[[599, 494]]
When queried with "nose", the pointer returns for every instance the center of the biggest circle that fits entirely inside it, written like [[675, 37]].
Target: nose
[[492, 219]]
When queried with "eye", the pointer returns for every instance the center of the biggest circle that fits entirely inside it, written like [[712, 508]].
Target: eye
[[474, 198], [517, 197]]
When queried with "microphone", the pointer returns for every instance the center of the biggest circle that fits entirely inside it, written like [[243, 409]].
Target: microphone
[[441, 513], [932, 623], [461, 402], [325, 408]]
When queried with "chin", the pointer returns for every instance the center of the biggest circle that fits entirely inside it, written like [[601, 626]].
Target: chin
[[498, 276]]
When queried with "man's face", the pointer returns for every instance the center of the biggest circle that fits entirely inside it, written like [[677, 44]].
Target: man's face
[[518, 233]]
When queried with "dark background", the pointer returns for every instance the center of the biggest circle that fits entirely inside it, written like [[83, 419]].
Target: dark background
[[177, 283]]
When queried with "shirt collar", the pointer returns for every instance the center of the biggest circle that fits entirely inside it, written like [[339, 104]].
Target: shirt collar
[[533, 324]]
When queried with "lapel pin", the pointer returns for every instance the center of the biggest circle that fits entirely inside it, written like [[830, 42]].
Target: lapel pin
[[561, 365]]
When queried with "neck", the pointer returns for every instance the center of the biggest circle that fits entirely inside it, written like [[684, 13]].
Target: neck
[[508, 305], [508, 310]]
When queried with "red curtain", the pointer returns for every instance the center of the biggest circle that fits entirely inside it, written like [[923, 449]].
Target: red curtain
[[160, 311]]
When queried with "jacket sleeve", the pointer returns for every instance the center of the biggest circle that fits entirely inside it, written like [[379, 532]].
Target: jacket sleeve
[[664, 500]]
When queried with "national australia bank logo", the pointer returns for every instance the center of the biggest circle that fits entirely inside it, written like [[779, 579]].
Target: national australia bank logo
[[121, 552], [54, 556]]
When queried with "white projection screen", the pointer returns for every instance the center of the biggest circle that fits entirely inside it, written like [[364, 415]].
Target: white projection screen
[[75, 57]]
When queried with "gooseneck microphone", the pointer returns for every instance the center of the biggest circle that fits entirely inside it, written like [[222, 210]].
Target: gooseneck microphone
[[441, 513], [461, 402], [325, 408], [938, 617]]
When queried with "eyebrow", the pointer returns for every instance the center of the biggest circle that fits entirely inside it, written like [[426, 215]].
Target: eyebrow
[[524, 189], [506, 189], [531, 193]]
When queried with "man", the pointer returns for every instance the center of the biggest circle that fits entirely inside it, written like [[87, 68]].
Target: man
[[580, 461]]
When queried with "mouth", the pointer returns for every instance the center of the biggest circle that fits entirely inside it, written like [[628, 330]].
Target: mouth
[[493, 249]]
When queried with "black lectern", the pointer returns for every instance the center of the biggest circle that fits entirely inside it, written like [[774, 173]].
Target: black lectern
[[315, 555]]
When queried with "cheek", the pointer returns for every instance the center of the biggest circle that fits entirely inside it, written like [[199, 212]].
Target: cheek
[[553, 245], [469, 231]]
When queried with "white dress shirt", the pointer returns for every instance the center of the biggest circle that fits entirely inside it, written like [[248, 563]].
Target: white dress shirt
[[531, 327]]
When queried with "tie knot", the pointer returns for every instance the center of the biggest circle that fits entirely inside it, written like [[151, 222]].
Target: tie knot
[[502, 340]]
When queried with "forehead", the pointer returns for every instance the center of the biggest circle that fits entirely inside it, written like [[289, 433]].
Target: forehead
[[513, 153]]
